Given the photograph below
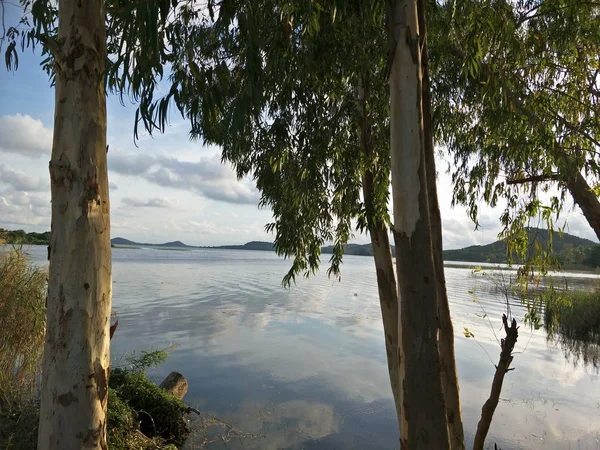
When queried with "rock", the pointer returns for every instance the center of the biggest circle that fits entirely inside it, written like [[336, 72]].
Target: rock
[[176, 384]]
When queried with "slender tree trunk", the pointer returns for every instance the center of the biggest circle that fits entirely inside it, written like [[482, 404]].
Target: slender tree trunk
[[76, 354], [388, 296], [586, 200], [424, 420], [382, 252], [447, 355], [487, 412]]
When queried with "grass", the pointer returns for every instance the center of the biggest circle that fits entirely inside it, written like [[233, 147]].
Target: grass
[[23, 288], [22, 330], [572, 319]]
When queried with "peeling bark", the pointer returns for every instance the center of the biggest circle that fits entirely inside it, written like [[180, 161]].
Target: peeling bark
[[447, 355], [424, 419], [76, 354]]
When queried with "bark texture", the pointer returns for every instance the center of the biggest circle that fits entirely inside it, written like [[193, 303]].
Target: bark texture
[[424, 419], [487, 412], [586, 200], [76, 355], [449, 375]]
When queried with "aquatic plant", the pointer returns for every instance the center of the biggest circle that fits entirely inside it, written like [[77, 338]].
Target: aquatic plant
[[572, 319]]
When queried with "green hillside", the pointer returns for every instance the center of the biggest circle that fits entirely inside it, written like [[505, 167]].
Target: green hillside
[[571, 251]]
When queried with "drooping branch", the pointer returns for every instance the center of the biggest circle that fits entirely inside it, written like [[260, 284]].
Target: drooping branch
[[487, 412]]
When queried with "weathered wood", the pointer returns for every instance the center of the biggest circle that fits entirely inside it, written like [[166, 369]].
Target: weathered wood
[[487, 412], [176, 384]]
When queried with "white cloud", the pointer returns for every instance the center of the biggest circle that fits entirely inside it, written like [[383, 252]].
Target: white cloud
[[156, 202], [207, 177], [20, 209], [24, 135], [20, 181]]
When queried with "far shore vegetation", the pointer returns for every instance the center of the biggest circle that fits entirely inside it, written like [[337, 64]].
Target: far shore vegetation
[[572, 253]]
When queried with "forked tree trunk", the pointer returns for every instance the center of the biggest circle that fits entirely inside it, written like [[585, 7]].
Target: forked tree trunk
[[424, 423], [76, 353], [447, 355]]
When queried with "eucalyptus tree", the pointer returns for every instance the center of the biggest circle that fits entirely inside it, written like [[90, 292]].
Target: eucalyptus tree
[[295, 94], [516, 92], [73, 36]]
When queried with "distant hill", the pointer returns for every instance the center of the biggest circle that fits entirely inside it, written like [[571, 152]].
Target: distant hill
[[572, 251], [354, 249], [252, 245], [121, 241]]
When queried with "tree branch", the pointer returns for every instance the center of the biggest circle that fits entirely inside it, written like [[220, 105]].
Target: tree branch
[[533, 179], [507, 345]]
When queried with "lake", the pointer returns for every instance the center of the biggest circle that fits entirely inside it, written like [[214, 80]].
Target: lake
[[305, 367]]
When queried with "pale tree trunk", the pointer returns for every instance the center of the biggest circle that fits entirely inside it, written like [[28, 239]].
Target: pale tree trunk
[[424, 422], [76, 355], [382, 252], [447, 355]]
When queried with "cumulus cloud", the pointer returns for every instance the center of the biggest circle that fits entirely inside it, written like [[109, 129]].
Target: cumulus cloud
[[156, 202], [112, 186], [20, 181], [23, 209], [207, 176], [24, 135]]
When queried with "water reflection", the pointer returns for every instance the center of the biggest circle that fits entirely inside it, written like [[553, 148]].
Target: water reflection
[[306, 367]]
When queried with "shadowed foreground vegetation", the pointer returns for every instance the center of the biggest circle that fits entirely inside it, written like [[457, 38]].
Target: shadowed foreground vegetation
[[22, 330], [141, 415]]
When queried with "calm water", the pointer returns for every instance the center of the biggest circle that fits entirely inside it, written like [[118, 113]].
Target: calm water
[[305, 367]]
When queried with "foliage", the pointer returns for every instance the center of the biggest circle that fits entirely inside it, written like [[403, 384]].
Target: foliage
[[147, 359], [22, 327], [572, 319], [160, 413], [258, 81], [18, 427], [515, 90], [21, 237], [123, 429]]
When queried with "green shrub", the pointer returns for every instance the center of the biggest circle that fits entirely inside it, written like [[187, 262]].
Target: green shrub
[[160, 414]]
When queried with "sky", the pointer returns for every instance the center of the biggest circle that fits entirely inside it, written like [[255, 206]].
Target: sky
[[167, 187]]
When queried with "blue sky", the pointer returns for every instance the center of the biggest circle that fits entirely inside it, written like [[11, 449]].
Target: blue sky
[[168, 187]]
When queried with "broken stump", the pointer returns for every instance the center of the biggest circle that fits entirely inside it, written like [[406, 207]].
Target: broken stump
[[176, 384]]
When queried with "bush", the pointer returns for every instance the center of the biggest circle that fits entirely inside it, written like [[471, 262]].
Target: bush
[[159, 413], [22, 329]]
